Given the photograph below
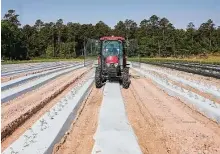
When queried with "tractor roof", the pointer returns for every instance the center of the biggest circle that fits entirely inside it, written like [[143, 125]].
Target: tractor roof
[[112, 38]]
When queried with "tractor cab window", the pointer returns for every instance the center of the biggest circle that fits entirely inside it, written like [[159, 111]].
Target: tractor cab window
[[112, 48]]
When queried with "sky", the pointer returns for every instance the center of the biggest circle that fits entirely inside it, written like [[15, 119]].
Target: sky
[[178, 12]]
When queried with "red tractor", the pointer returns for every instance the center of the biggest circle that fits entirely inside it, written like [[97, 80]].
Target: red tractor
[[112, 63]]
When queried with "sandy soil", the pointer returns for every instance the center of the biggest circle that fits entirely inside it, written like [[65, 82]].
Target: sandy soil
[[163, 124], [79, 139], [29, 122], [20, 109], [8, 78]]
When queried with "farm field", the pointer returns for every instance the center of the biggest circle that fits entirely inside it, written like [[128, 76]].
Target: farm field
[[54, 107], [110, 77]]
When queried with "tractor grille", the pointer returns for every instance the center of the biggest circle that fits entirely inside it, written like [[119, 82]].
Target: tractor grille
[[112, 71]]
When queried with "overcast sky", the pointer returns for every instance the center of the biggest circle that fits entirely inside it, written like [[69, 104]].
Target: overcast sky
[[179, 12]]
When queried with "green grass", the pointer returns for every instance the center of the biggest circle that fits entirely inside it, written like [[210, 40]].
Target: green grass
[[208, 60], [38, 60]]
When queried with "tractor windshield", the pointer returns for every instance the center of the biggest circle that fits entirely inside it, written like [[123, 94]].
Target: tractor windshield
[[112, 48]]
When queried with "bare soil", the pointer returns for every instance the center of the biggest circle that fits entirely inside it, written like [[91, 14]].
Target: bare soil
[[79, 139], [164, 124]]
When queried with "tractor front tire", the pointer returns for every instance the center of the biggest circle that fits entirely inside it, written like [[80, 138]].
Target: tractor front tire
[[126, 69], [125, 79], [98, 77]]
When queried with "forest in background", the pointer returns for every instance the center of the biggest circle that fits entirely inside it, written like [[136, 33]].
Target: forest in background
[[153, 37]]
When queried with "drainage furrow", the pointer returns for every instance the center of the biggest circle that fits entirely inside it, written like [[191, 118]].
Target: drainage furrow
[[114, 133], [24, 88], [50, 128], [15, 82]]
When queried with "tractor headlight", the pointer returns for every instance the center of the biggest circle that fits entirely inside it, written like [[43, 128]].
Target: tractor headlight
[[116, 64]]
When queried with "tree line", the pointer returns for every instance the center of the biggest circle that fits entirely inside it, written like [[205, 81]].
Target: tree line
[[152, 37]]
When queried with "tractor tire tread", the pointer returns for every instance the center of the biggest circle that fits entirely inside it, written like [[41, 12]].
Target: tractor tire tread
[[98, 79], [125, 79]]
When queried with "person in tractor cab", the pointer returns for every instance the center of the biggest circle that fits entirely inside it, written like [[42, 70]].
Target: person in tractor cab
[[111, 48], [113, 51]]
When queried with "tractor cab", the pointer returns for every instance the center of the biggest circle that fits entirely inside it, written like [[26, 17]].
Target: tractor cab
[[112, 61], [111, 48], [112, 51]]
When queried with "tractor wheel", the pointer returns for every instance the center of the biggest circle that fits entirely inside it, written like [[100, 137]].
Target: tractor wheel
[[98, 78], [125, 79], [126, 69]]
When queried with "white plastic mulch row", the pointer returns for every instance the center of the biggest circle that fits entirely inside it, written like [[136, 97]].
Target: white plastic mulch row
[[114, 134], [51, 127], [205, 106], [43, 66], [15, 67], [21, 89], [198, 85], [17, 81]]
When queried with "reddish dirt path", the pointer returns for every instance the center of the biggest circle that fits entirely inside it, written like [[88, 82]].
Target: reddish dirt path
[[79, 139], [164, 124]]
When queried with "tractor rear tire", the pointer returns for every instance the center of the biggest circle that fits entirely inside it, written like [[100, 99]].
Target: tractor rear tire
[[125, 79], [98, 77]]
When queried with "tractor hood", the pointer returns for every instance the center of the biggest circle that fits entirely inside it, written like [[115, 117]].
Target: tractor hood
[[111, 59]]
